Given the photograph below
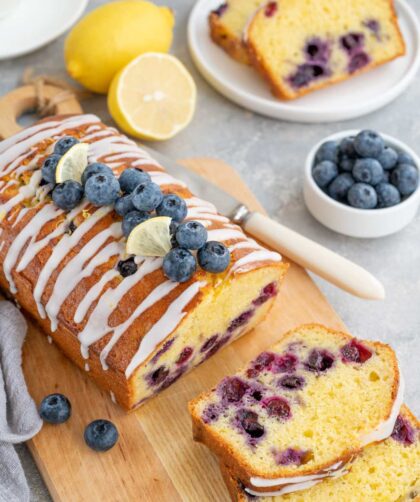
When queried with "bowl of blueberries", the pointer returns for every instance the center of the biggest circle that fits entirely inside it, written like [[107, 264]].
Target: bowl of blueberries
[[362, 183]]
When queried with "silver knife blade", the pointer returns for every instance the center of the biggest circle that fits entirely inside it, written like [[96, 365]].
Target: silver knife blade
[[202, 187]]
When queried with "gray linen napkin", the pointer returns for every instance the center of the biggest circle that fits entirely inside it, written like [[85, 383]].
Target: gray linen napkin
[[19, 419]]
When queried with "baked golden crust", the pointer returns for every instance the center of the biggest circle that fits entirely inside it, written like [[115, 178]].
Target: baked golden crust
[[228, 41]]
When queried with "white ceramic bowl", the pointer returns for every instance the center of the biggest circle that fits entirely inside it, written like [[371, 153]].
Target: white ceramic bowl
[[364, 223]]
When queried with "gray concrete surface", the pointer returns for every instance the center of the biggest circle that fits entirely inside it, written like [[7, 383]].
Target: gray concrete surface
[[269, 155]]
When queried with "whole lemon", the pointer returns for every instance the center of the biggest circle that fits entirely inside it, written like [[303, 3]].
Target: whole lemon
[[109, 37]]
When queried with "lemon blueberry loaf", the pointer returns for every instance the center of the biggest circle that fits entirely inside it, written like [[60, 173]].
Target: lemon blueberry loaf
[[227, 24], [303, 45], [134, 323], [388, 471], [301, 410]]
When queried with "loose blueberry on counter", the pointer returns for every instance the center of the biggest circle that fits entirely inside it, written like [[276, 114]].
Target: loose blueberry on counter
[[346, 147], [368, 171], [64, 144], [147, 196], [340, 186], [49, 167], [127, 267], [191, 235], [388, 195], [213, 257], [369, 144], [179, 265], [102, 189], [132, 177], [55, 409], [96, 168], [328, 151], [124, 205], [388, 158], [406, 178], [324, 172], [173, 206], [362, 196], [101, 435], [132, 219], [67, 195]]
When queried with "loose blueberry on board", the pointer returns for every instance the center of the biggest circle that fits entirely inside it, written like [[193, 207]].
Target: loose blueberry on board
[[213, 257], [55, 409], [369, 144], [174, 206], [101, 435], [406, 178], [179, 265], [67, 195], [49, 167], [339, 187], [388, 195], [368, 171], [328, 151], [362, 196], [191, 235], [127, 267], [147, 196], [324, 173], [124, 205], [131, 220], [388, 158], [102, 189], [347, 147], [132, 177], [96, 168], [64, 144]]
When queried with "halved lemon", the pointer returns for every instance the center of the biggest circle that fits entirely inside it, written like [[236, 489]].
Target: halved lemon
[[153, 97], [150, 238], [72, 163]]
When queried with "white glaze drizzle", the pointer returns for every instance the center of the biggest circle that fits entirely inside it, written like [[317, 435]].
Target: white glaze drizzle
[[50, 340], [112, 397], [87, 367], [24, 192], [256, 256], [225, 234]]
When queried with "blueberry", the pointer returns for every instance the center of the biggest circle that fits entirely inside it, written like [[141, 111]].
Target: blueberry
[[324, 173], [173, 227], [127, 267], [406, 178], [64, 144], [102, 189], [388, 158], [387, 177], [191, 235], [131, 220], [96, 168], [319, 360], [213, 257], [328, 151], [179, 265], [49, 167], [358, 61], [346, 164], [347, 147], [101, 435], [306, 73], [405, 158], [68, 194], [339, 187], [132, 177], [173, 206], [369, 144], [55, 409], [362, 196], [249, 421], [147, 196], [124, 205], [368, 171], [233, 389], [388, 195], [352, 42]]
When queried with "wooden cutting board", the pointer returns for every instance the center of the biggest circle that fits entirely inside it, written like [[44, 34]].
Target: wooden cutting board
[[155, 458]]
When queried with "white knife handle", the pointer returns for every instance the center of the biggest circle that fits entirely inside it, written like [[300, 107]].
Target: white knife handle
[[316, 258]]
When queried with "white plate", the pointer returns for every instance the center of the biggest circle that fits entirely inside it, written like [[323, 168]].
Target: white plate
[[355, 97], [34, 23]]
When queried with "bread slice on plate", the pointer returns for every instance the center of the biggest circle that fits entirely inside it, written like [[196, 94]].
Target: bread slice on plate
[[303, 45], [388, 471], [227, 24], [302, 410]]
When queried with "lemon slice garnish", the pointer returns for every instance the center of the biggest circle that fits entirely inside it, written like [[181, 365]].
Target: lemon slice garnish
[[153, 97], [72, 163], [150, 238]]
